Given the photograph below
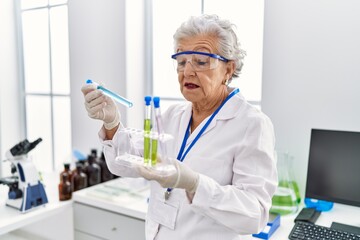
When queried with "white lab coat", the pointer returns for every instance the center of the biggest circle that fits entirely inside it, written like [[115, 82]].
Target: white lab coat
[[235, 160]]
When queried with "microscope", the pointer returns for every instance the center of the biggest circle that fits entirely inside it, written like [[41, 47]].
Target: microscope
[[25, 189]]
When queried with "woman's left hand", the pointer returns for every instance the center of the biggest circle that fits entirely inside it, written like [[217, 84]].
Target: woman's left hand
[[183, 177]]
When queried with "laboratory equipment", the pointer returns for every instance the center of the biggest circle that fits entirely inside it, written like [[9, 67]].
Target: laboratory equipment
[[111, 94], [147, 128], [126, 158], [64, 187], [26, 190], [106, 175], [159, 127], [79, 178], [93, 171], [154, 149], [66, 172], [286, 199], [272, 225], [158, 118], [153, 136]]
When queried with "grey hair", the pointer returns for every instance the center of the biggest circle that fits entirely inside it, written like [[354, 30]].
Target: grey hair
[[229, 45]]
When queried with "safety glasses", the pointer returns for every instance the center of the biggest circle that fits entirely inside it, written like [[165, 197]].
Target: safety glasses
[[200, 61]]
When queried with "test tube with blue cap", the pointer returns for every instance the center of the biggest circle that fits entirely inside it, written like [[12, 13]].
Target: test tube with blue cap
[[159, 125], [158, 118], [111, 94], [147, 128]]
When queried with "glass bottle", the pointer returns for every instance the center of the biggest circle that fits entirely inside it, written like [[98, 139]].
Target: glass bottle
[[93, 152], [287, 198], [67, 172], [106, 175], [79, 178], [93, 171], [64, 188]]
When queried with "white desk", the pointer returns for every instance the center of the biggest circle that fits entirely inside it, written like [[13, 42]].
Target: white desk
[[39, 219], [137, 208], [121, 204], [109, 197], [340, 213], [127, 196]]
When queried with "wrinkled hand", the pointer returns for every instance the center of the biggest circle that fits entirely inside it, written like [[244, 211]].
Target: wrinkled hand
[[100, 106], [183, 177]]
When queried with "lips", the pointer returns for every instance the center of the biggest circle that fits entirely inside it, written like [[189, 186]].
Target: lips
[[191, 85]]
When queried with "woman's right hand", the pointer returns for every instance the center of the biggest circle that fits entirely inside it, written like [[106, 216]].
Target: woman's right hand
[[100, 106]]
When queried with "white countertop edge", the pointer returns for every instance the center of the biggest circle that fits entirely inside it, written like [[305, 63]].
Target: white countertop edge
[[9, 223], [132, 210]]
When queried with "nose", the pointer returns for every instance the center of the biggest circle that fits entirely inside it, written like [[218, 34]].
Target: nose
[[189, 69]]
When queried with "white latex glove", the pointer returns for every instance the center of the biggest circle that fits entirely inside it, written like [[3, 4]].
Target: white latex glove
[[184, 177], [100, 106]]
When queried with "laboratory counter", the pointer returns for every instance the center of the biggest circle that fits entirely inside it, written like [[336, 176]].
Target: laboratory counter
[[104, 211], [49, 221], [113, 210], [124, 201]]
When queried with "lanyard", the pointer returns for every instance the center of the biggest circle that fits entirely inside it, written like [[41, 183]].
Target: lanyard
[[181, 155]]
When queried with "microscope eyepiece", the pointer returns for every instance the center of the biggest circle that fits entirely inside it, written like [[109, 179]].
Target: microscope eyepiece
[[24, 147]]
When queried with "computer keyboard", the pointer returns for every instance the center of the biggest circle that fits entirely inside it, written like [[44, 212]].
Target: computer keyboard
[[307, 231]]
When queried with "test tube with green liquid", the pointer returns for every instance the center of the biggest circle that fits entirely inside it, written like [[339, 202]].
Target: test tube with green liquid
[[157, 133], [147, 128], [154, 146]]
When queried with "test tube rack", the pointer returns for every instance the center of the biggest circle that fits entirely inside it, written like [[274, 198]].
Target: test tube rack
[[126, 159]]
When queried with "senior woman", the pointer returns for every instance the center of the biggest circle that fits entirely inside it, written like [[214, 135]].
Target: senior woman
[[225, 168]]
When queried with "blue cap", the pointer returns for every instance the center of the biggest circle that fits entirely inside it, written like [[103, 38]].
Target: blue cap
[[156, 102], [79, 155], [89, 81], [147, 100], [319, 205]]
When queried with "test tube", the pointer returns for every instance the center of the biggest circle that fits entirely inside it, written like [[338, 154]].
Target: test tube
[[147, 128], [159, 125], [158, 118], [154, 146], [111, 94]]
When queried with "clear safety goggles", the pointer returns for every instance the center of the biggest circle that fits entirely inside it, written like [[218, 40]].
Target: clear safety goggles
[[200, 61]]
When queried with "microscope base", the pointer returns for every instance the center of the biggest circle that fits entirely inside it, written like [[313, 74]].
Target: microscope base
[[33, 197], [15, 203]]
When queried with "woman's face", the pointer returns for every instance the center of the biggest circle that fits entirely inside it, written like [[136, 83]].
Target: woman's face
[[203, 86]]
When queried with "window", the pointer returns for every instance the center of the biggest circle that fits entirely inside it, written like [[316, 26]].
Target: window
[[44, 48], [167, 16]]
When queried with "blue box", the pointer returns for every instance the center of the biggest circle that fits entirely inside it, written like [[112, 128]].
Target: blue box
[[273, 224]]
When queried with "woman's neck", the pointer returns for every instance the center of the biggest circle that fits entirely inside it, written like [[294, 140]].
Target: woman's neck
[[202, 110]]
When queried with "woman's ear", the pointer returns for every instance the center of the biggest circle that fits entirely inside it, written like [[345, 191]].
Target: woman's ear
[[230, 69]]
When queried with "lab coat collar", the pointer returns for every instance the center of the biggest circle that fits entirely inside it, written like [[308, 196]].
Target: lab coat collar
[[228, 111]]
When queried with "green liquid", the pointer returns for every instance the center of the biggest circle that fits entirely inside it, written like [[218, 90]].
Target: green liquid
[[147, 141], [286, 199], [293, 185], [154, 145]]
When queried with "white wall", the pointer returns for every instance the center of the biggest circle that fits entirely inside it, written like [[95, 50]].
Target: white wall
[[311, 71], [98, 34], [135, 61], [97, 52], [11, 131]]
